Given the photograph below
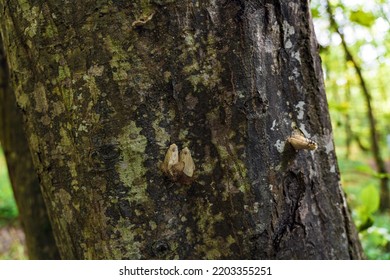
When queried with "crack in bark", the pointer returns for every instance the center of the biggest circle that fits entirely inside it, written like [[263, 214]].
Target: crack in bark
[[294, 190]]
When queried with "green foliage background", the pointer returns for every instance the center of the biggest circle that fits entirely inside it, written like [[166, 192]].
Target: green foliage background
[[366, 26], [8, 209]]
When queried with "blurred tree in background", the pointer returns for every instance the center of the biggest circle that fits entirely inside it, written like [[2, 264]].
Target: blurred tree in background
[[354, 39]]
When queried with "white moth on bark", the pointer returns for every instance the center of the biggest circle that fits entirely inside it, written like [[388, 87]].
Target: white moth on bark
[[179, 167], [189, 165], [171, 159]]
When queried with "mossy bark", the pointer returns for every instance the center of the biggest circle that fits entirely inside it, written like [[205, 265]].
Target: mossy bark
[[106, 87], [32, 211]]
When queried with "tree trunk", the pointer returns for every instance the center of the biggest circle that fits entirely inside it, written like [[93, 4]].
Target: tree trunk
[[34, 220], [107, 87]]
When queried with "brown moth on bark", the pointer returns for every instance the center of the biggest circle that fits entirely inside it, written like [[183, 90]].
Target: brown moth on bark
[[300, 142]]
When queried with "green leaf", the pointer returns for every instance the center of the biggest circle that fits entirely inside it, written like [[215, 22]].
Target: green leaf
[[382, 175], [369, 197], [363, 18], [364, 169], [315, 13], [341, 107]]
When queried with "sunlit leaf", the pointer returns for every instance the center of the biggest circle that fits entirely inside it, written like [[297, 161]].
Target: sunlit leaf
[[382, 175], [364, 169], [369, 197], [342, 107], [315, 13], [363, 18]]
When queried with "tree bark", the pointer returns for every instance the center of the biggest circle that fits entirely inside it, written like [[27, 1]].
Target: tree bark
[[107, 87], [32, 211]]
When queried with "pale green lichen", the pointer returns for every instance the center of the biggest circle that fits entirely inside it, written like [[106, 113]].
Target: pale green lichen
[[191, 68], [33, 15], [205, 72], [63, 81], [167, 76], [41, 104], [51, 31], [63, 72], [128, 69], [93, 89], [82, 127], [212, 246], [24, 6], [65, 145], [34, 142], [144, 7], [183, 136], [66, 201], [235, 176], [161, 135], [94, 93], [131, 168], [96, 70], [209, 165], [153, 225], [57, 108], [119, 61], [22, 99], [129, 233], [280, 145], [65, 138]]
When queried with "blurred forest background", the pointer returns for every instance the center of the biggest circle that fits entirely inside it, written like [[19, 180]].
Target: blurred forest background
[[354, 38]]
